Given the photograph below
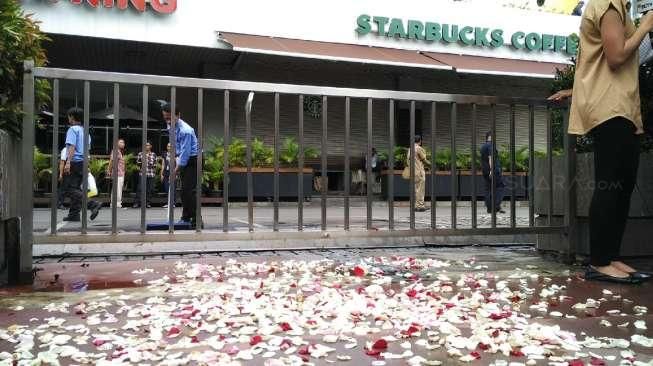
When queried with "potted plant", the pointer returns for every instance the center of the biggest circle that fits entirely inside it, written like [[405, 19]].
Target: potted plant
[[42, 171], [263, 169]]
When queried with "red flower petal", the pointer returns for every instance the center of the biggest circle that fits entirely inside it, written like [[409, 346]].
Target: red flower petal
[[173, 331], [194, 339], [98, 342], [373, 352], [476, 355], [380, 344], [516, 353], [303, 350], [358, 272], [412, 293], [285, 326], [483, 346], [576, 362], [255, 340], [597, 362]]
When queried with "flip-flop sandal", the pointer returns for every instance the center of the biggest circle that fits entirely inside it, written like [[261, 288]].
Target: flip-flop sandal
[[593, 275]]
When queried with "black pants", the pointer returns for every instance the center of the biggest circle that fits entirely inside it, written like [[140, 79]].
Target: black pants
[[188, 188], [499, 191], [149, 189], [616, 159], [71, 186]]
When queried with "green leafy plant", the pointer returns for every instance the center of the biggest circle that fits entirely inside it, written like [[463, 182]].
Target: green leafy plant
[[237, 153], [42, 170], [443, 159], [262, 156], [98, 167], [289, 153], [20, 40]]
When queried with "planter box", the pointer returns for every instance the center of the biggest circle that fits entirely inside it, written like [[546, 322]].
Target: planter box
[[402, 186], [263, 182], [641, 204], [518, 185]]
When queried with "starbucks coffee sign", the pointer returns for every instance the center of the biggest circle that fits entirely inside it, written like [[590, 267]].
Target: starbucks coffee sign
[[471, 36]]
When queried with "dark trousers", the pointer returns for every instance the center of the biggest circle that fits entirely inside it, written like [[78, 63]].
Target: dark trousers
[[60, 195], [616, 159], [499, 191], [188, 188], [149, 189], [71, 186]]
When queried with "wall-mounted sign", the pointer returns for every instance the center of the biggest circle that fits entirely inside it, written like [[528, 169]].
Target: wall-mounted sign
[[313, 106], [463, 35], [159, 6]]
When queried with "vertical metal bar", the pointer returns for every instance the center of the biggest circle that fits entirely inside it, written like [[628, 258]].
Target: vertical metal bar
[[324, 154], [513, 185], [250, 178], [87, 141], [454, 174], [412, 164], [225, 165], [144, 161], [474, 167], [300, 163], [55, 157], [370, 181], [434, 197], [531, 167], [570, 206], [200, 160], [549, 156], [276, 162], [391, 168], [173, 159], [114, 173], [347, 162], [493, 160], [26, 195]]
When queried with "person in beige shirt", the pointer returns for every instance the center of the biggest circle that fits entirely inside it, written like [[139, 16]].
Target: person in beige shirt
[[420, 173], [606, 105]]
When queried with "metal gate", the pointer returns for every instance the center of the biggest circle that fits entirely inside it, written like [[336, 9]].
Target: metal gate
[[219, 236]]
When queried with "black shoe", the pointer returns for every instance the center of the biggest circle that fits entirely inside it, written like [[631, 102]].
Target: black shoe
[[95, 210], [641, 276], [72, 218], [149, 206], [136, 205], [423, 209], [592, 274]]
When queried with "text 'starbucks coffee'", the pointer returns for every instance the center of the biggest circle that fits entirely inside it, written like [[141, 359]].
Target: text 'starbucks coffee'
[[463, 34]]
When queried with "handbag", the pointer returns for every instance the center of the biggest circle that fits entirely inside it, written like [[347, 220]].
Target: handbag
[[406, 173]]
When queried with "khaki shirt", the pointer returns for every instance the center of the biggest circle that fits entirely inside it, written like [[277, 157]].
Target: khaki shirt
[[600, 93], [420, 173]]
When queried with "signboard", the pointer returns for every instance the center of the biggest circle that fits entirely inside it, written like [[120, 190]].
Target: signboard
[[159, 6], [462, 35]]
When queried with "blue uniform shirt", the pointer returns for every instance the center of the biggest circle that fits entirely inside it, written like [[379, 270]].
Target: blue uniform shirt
[[75, 136], [187, 145]]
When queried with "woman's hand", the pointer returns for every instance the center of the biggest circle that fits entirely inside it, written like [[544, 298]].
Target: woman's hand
[[646, 21], [560, 96]]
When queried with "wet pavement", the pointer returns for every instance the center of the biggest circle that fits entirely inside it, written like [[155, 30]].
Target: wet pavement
[[402, 306]]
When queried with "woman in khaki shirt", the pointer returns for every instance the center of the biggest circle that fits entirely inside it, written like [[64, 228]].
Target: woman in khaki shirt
[[606, 105]]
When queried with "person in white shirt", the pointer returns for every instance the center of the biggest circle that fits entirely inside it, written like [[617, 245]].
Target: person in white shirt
[[92, 191]]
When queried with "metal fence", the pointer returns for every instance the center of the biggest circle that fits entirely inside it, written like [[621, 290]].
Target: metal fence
[[328, 95]]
